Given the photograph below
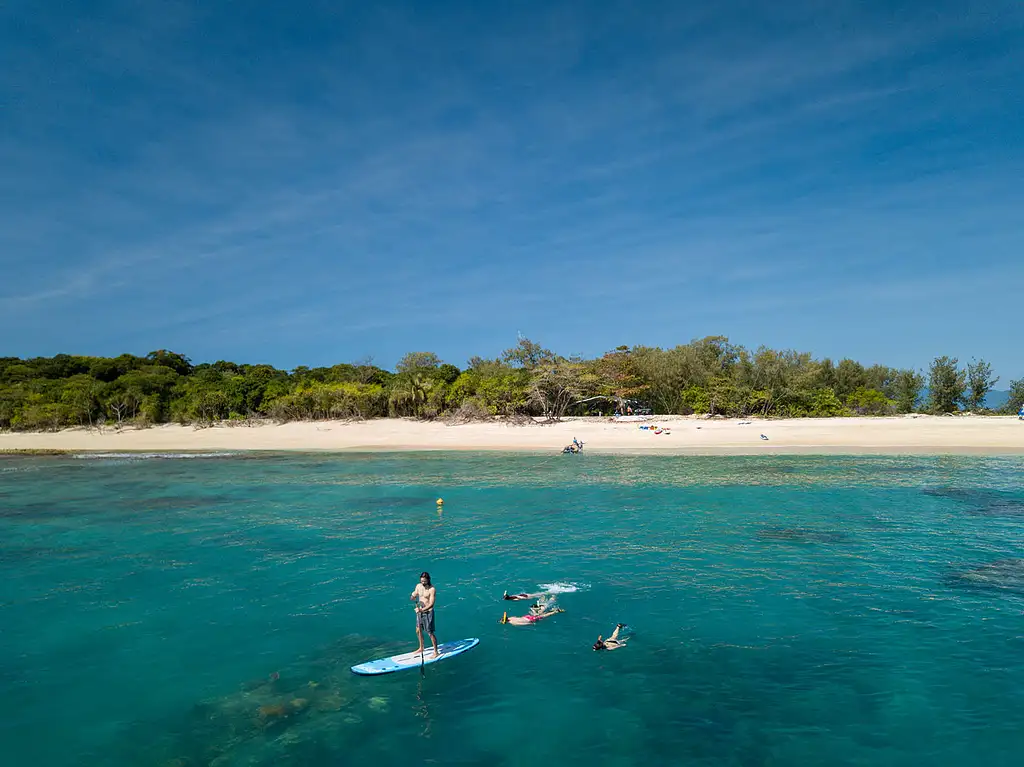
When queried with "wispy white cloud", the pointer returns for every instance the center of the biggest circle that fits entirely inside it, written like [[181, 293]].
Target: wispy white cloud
[[498, 162]]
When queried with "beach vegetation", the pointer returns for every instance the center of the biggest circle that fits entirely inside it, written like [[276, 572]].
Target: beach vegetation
[[695, 399], [1015, 401], [505, 394], [865, 401], [556, 384], [527, 354], [946, 385], [979, 383], [905, 390], [825, 403], [709, 376]]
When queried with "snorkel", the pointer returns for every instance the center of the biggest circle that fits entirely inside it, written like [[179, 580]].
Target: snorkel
[[504, 618]]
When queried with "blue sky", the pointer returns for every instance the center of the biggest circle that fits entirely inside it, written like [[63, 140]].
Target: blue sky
[[318, 182]]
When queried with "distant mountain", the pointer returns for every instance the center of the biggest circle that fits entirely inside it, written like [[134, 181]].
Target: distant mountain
[[996, 399]]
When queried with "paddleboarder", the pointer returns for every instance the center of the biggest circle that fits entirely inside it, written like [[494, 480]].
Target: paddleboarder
[[425, 595]]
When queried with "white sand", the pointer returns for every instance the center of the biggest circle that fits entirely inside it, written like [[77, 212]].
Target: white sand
[[689, 435]]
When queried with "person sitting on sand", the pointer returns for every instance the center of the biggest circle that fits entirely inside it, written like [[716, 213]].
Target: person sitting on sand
[[526, 620], [613, 642]]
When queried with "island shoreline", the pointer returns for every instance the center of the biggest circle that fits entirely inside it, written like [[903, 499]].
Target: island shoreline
[[661, 435]]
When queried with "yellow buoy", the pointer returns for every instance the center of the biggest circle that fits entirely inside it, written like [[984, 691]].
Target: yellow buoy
[[440, 501]]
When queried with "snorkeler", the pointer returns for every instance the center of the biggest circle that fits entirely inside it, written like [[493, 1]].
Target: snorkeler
[[613, 642], [527, 620], [545, 603], [523, 595]]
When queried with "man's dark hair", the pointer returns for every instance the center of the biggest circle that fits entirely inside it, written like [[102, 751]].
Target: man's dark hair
[[426, 575]]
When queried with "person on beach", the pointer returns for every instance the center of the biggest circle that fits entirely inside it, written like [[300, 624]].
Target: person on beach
[[425, 595], [531, 618], [613, 642]]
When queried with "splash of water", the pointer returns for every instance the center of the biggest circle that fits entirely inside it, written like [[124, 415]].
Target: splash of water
[[563, 588]]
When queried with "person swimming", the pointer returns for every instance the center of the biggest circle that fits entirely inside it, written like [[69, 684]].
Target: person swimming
[[614, 641], [544, 603], [530, 618], [523, 595]]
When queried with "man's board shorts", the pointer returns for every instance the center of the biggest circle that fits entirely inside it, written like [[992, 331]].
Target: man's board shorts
[[425, 621]]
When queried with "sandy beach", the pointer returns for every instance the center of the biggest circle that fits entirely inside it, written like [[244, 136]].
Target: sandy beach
[[679, 435]]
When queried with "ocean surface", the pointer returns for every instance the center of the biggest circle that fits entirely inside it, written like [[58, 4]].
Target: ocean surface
[[206, 610]]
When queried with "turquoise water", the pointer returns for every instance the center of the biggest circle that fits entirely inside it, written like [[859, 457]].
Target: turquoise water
[[785, 611]]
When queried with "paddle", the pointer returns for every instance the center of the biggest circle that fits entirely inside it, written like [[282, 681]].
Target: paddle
[[423, 642], [423, 646]]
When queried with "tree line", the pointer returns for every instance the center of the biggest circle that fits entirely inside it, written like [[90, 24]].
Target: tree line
[[708, 376]]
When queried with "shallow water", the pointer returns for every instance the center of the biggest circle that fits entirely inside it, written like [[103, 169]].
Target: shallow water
[[785, 610]]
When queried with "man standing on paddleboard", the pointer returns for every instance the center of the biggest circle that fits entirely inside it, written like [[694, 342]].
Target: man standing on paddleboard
[[425, 594]]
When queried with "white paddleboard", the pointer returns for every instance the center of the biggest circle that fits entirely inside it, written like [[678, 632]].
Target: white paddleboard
[[413, 660]]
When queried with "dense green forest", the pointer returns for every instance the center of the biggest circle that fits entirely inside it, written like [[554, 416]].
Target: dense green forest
[[709, 375]]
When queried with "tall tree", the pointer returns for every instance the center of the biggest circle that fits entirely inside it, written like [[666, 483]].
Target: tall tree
[[409, 393], [722, 395], [979, 384], [906, 390], [554, 388], [826, 374], [1016, 400], [849, 377], [79, 397], [527, 354], [179, 363], [946, 385], [667, 373], [618, 377], [418, 362]]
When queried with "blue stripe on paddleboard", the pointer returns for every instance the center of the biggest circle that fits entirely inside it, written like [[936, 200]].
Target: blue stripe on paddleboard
[[412, 659]]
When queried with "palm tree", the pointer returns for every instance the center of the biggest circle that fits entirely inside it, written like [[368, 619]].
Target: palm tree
[[409, 394]]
